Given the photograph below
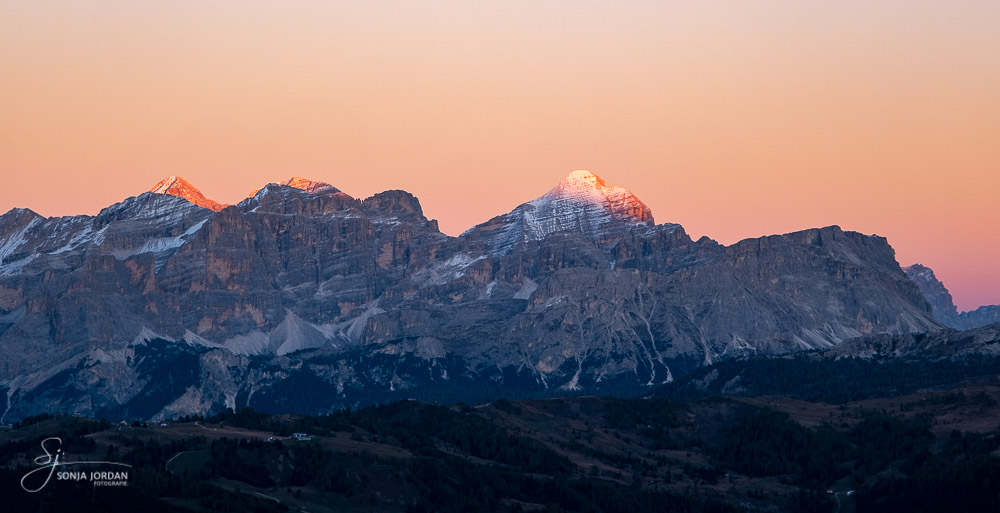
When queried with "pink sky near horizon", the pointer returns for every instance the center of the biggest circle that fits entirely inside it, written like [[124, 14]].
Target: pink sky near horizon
[[734, 119]]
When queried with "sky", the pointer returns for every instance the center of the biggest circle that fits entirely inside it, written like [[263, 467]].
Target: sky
[[735, 119]]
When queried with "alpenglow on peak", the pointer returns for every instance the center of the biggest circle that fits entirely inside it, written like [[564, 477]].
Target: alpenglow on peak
[[586, 188], [177, 186], [582, 178], [582, 202], [310, 186]]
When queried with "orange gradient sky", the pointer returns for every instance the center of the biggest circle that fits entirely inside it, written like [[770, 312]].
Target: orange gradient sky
[[735, 119]]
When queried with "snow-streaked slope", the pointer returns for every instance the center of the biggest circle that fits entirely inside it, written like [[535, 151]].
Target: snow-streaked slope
[[160, 244], [581, 202], [150, 222], [10, 243]]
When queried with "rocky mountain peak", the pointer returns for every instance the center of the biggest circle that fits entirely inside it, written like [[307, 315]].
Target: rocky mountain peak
[[394, 202], [919, 271], [303, 184], [310, 186], [943, 305], [582, 203], [177, 186], [584, 187]]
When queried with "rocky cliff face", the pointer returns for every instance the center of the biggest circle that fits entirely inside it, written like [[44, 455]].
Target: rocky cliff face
[[302, 298], [982, 316], [942, 304]]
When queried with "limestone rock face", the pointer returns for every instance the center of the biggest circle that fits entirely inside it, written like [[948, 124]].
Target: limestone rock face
[[982, 316], [302, 298]]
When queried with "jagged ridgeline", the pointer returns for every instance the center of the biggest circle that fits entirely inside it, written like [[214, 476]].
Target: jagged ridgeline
[[302, 298], [942, 305]]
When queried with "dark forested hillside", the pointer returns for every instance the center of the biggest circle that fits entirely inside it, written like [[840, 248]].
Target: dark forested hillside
[[932, 449], [816, 378]]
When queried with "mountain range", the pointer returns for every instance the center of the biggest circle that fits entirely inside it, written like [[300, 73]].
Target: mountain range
[[301, 298]]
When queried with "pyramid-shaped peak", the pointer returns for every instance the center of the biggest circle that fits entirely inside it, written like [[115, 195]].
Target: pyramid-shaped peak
[[582, 202], [177, 186], [163, 186], [585, 188]]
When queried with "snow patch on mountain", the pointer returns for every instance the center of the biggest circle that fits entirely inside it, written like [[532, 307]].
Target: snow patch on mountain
[[444, 272], [160, 244], [154, 208], [15, 267], [87, 234]]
